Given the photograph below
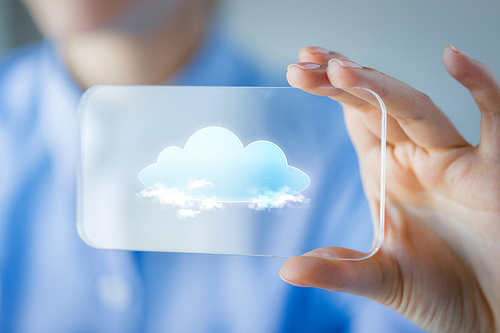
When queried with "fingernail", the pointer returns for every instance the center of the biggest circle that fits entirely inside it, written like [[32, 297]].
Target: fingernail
[[346, 63], [454, 49], [305, 65], [316, 49]]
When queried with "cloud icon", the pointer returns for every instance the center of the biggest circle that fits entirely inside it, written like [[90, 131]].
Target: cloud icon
[[215, 166]]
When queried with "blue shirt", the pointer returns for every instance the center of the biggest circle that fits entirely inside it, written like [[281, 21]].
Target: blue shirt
[[50, 281]]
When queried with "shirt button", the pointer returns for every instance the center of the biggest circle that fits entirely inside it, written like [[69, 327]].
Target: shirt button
[[114, 292]]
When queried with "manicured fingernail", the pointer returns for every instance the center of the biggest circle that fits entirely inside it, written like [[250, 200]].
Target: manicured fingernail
[[346, 63], [305, 65], [315, 49], [454, 49]]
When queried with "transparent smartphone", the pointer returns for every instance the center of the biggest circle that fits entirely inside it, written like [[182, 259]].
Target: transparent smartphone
[[225, 170]]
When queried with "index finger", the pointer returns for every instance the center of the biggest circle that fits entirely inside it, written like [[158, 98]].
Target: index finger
[[422, 121]]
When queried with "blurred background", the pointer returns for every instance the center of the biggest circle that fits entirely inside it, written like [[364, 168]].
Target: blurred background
[[16, 27], [403, 39]]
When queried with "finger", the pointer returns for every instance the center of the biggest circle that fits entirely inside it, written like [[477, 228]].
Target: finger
[[312, 77], [362, 133], [484, 88], [370, 114], [422, 121], [308, 76], [367, 278]]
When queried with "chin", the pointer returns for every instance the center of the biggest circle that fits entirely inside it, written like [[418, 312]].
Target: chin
[[62, 18]]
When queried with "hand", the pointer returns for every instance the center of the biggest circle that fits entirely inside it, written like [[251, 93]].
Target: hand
[[440, 262]]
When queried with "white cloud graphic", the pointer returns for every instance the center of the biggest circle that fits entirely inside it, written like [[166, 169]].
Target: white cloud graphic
[[215, 168], [279, 199], [199, 183], [168, 196], [187, 207]]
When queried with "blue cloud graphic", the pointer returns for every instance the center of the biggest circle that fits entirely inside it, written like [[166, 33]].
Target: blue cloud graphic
[[215, 164]]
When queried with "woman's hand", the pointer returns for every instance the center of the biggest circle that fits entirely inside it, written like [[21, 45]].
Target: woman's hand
[[440, 262]]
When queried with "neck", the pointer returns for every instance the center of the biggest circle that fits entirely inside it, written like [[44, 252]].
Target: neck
[[111, 56]]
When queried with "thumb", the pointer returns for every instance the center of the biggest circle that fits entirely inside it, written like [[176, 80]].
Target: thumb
[[484, 88], [375, 278]]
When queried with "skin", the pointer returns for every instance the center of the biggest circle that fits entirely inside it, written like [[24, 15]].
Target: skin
[[122, 41], [439, 263]]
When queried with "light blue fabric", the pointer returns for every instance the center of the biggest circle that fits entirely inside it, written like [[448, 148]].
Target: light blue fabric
[[50, 281]]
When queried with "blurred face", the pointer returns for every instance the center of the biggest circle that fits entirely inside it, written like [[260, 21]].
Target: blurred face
[[59, 19]]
